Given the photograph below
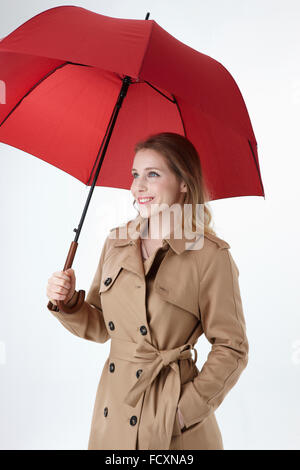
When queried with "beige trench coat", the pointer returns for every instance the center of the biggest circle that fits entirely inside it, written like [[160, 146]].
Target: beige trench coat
[[151, 369]]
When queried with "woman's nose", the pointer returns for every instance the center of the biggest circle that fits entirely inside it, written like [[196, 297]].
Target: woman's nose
[[140, 183]]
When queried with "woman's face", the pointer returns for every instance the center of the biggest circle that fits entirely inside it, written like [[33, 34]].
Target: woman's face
[[153, 178]]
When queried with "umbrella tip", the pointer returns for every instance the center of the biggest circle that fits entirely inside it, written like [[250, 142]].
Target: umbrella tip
[[147, 16]]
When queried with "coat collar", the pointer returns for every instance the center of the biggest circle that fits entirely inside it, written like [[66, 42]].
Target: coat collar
[[125, 236]]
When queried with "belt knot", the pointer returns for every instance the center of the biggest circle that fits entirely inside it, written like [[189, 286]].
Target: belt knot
[[169, 355], [155, 360]]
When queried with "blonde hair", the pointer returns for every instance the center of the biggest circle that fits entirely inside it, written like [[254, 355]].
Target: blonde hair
[[183, 160]]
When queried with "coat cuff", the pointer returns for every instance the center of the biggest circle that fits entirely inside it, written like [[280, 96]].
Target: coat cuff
[[192, 406], [73, 301]]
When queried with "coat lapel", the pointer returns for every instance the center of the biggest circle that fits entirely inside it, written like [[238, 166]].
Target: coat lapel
[[128, 241], [128, 245]]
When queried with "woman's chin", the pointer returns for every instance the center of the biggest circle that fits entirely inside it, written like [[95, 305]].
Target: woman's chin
[[149, 210], [145, 210]]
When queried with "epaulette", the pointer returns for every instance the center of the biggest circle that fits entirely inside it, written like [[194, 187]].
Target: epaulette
[[120, 226], [219, 241]]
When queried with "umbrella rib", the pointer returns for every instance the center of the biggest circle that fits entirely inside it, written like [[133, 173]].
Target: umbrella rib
[[36, 84], [204, 112], [172, 101], [257, 168], [152, 86], [179, 110]]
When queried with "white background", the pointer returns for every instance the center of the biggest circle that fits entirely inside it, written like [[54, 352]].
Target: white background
[[48, 376]]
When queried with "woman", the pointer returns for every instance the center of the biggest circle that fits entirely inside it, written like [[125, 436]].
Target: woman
[[154, 296]]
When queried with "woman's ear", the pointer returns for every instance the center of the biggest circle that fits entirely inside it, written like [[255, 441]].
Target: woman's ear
[[183, 187]]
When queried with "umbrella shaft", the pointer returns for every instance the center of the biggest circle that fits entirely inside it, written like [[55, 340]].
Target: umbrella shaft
[[110, 127]]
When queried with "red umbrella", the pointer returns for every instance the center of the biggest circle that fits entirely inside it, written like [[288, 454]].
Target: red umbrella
[[77, 81]]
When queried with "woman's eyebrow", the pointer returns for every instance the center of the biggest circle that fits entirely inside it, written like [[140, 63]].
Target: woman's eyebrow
[[148, 168]]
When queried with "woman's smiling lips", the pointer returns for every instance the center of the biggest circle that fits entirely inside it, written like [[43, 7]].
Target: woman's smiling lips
[[145, 200]]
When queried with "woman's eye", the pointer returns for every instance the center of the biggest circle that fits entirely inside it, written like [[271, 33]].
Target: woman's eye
[[150, 172]]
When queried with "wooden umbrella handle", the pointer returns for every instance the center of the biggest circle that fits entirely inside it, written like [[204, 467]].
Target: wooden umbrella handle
[[81, 293]]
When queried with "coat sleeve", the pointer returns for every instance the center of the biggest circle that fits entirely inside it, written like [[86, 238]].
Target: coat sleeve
[[87, 322], [223, 322]]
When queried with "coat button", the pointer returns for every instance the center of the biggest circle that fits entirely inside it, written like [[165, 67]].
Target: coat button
[[105, 411], [111, 325], [107, 281], [111, 367], [138, 372], [133, 420], [143, 330]]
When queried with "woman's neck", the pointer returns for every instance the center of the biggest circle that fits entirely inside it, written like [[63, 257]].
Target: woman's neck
[[162, 224]]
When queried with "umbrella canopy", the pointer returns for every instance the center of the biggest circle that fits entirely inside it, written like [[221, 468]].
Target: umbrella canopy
[[64, 69]]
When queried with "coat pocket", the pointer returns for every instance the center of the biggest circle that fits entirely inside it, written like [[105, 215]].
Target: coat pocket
[[182, 296], [176, 428], [109, 275], [203, 435], [193, 427]]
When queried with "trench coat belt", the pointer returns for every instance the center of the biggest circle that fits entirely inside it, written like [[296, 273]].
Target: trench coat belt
[[145, 352]]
